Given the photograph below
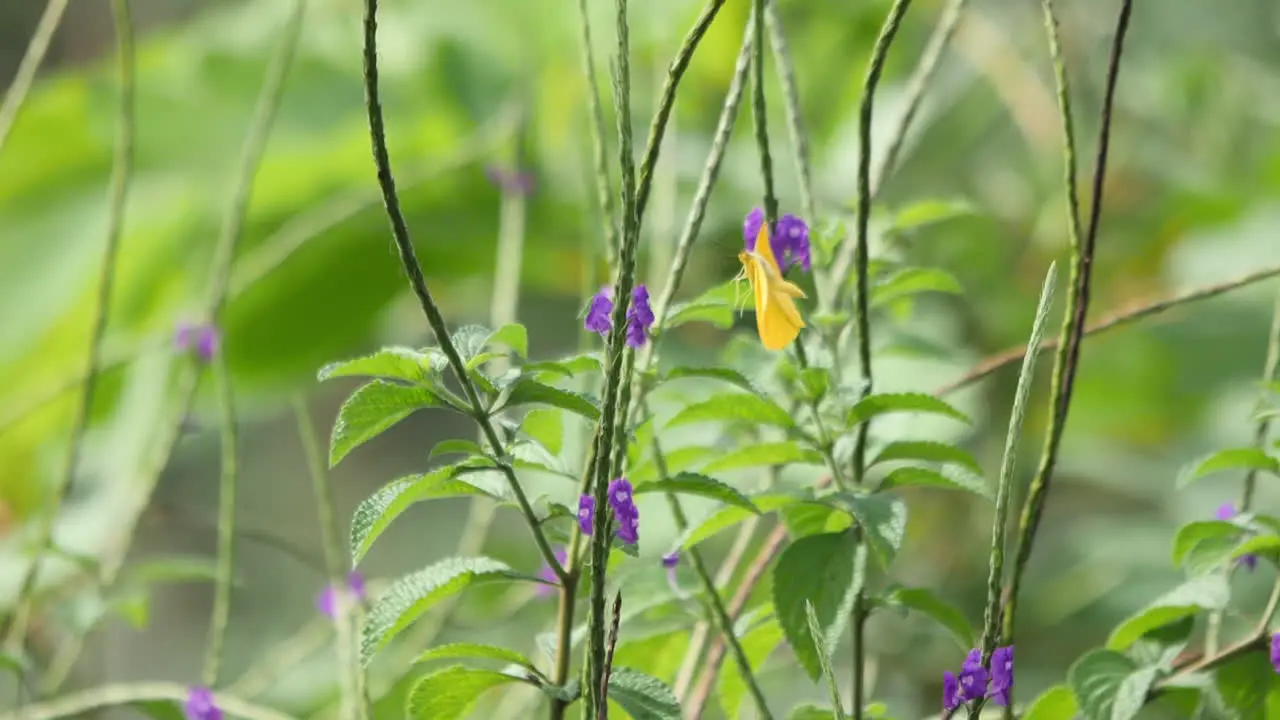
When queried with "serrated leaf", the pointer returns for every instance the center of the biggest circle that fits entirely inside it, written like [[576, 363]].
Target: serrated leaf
[[927, 603], [910, 281], [1056, 703], [450, 693], [1259, 545], [529, 391], [1195, 533], [678, 460], [1132, 693], [733, 377], [545, 426], [814, 383], [928, 212], [412, 595], [456, 446], [393, 363], [470, 340], [1161, 647], [1244, 683], [514, 336], [371, 410], [688, 483], [952, 477], [642, 696], [764, 454], [814, 518], [818, 569], [1208, 592], [734, 407], [883, 518], [1096, 678], [757, 644], [727, 517], [1244, 458], [824, 645], [566, 367], [719, 314], [473, 650], [928, 451], [375, 513], [883, 403]]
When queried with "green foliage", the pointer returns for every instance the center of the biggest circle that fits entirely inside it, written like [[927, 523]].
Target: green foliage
[[758, 644], [1056, 703], [375, 514], [788, 452], [527, 391], [883, 519], [1102, 686], [1199, 594], [875, 405], [1245, 458], [473, 650], [372, 410], [928, 451], [642, 696], [450, 693], [823, 646], [949, 477], [816, 570], [688, 483], [734, 407], [927, 603]]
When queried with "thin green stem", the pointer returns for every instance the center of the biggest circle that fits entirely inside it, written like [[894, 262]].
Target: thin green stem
[[604, 185], [1068, 355], [418, 282], [226, 520], [117, 195], [29, 66], [1000, 524], [759, 112], [76, 704], [1263, 430]]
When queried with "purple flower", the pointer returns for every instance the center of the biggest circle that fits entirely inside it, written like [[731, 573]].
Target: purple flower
[[793, 238], [751, 227], [598, 320], [203, 339], [546, 573], [973, 677], [639, 317], [629, 528], [514, 181], [625, 510], [1001, 675], [1227, 511], [200, 705], [328, 600], [586, 513], [950, 692], [1275, 652], [670, 561]]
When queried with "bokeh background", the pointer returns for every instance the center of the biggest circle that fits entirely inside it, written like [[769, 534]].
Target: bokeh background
[[1191, 199]]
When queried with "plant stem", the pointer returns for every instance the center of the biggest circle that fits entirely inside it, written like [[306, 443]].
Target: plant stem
[[226, 520], [117, 195], [29, 66], [604, 184], [75, 704], [409, 260], [1263, 430], [759, 113], [1068, 356]]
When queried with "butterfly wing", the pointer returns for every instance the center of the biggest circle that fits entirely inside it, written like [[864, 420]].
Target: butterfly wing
[[777, 319]]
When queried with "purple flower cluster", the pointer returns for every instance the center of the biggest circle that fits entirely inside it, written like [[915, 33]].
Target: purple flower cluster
[[1275, 651], [639, 316], [624, 511], [200, 705], [327, 601], [789, 242], [1226, 512], [202, 339], [975, 683]]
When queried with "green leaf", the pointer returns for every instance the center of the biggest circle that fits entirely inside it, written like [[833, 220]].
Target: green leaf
[[15, 664], [815, 382], [371, 410], [1244, 458], [950, 477], [758, 644], [926, 603], [874, 405], [394, 363], [824, 645], [688, 483], [927, 451], [450, 693], [375, 513], [159, 709], [1208, 592], [809, 711], [1243, 683], [910, 281], [173, 569], [733, 377], [641, 696], [412, 595], [884, 519], [814, 518], [734, 407], [1132, 693], [1056, 703], [1096, 679], [567, 367], [456, 446], [470, 340], [727, 517], [678, 460], [1259, 545], [714, 306], [928, 212], [763, 454], [1200, 531], [474, 650], [514, 336], [817, 569], [529, 391], [545, 426]]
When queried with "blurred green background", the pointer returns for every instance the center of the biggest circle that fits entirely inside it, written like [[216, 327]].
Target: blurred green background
[[1191, 199]]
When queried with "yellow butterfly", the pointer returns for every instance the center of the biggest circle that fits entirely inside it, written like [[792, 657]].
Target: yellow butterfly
[[777, 319]]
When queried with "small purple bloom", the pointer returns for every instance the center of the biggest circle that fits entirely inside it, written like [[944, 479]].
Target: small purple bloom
[[1001, 675], [973, 677], [546, 573], [328, 600], [671, 560], [203, 339], [598, 320], [629, 526], [200, 705], [1227, 511], [586, 513], [636, 335], [793, 239], [620, 497], [751, 227], [639, 317], [520, 183], [950, 692], [1275, 651]]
